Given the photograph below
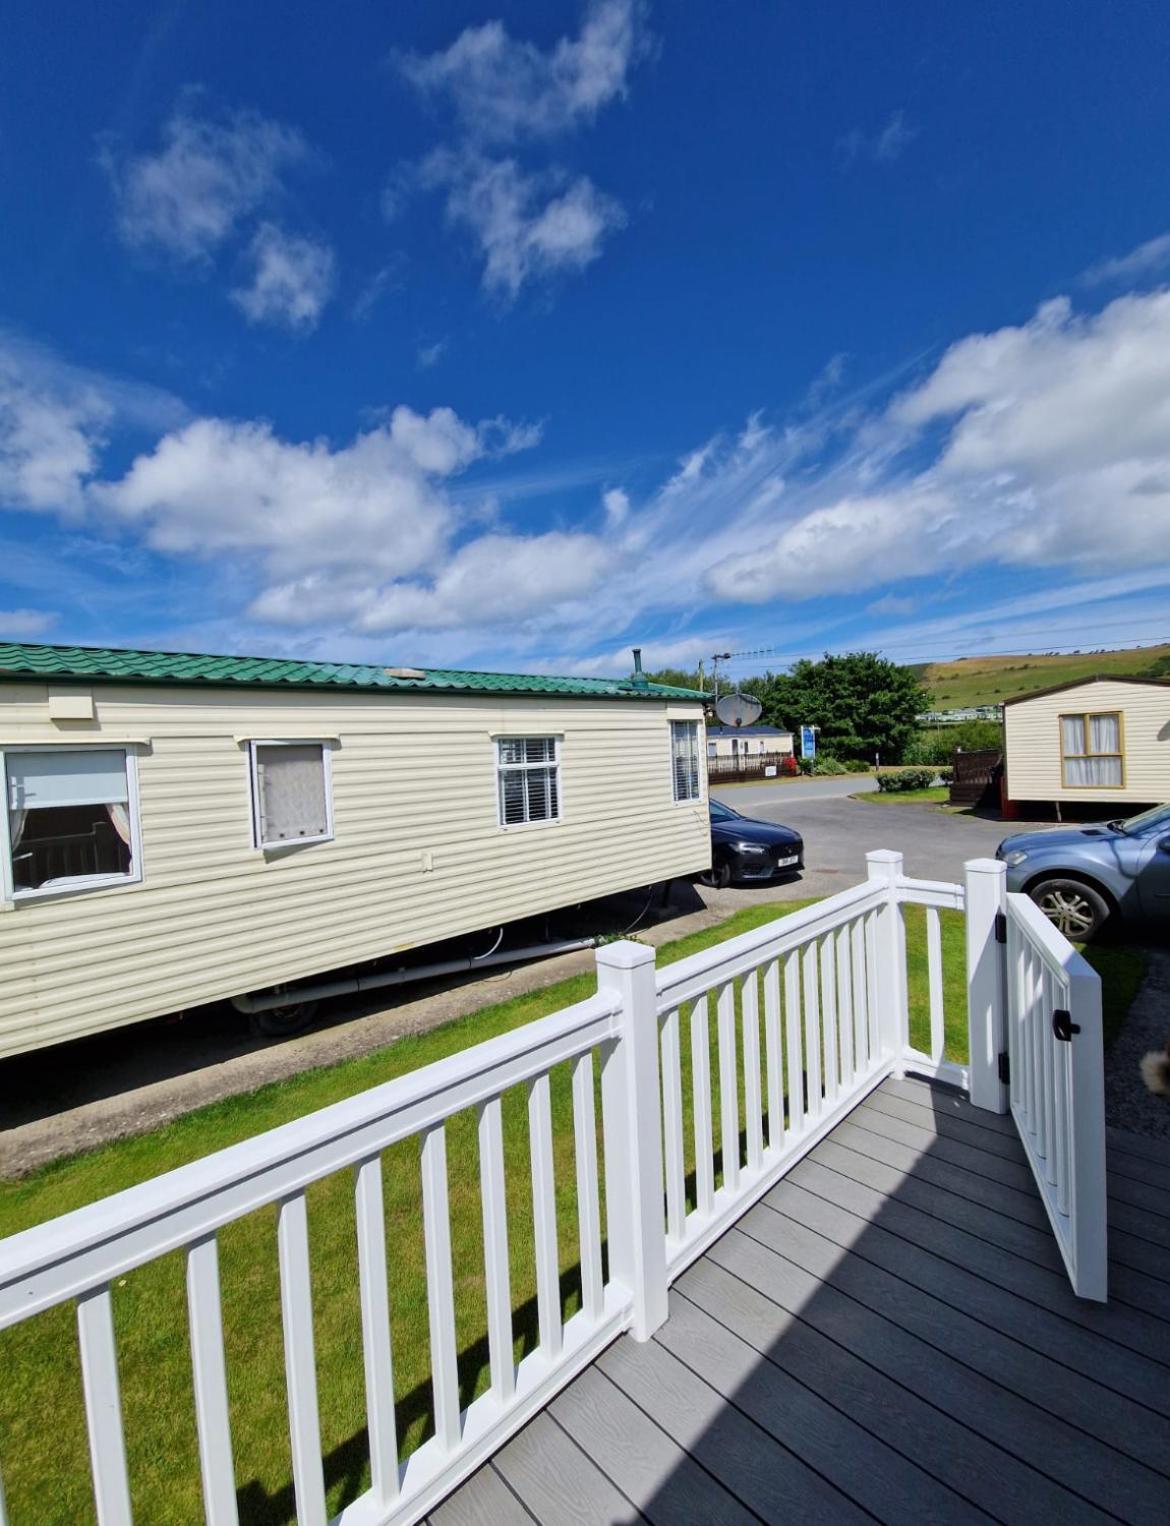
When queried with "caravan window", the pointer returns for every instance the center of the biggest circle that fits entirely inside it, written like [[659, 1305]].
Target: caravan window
[[71, 819], [291, 793], [684, 747], [529, 779], [1092, 752]]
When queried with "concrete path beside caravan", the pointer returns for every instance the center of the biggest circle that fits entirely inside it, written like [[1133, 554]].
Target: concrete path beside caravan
[[57, 1101]]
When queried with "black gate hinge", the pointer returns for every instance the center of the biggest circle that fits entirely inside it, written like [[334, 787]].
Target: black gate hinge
[[1005, 1068], [1001, 927]]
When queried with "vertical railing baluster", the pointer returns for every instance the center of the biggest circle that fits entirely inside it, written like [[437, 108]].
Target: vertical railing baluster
[[300, 1368], [797, 1089], [440, 1287], [934, 962], [812, 1030], [829, 1016], [773, 1054], [1015, 1016], [1035, 1005], [497, 1276], [1063, 1116], [674, 1158], [860, 996], [1048, 1041], [209, 1373], [588, 1192], [377, 1351], [544, 1217], [103, 1407], [701, 1102], [728, 1086], [872, 1007], [752, 1088], [845, 1004]]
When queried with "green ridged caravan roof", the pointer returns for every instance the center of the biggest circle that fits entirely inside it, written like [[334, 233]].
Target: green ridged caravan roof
[[21, 661]]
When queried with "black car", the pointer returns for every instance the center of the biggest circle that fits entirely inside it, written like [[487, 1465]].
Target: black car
[[751, 851]]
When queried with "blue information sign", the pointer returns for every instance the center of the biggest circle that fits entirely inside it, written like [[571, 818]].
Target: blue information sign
[[808, 741]]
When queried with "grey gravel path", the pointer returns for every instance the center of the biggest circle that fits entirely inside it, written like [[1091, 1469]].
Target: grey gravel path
[[1128, 1105]]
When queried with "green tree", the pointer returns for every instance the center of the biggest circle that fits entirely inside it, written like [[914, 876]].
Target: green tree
[[864, 704], [678, 678]]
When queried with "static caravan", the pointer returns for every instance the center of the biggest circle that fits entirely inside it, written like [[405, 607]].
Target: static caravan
[[183, 829], [1094, 741], [725, 742]]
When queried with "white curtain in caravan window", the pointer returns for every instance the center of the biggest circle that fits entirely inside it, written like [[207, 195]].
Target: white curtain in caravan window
[[292, 792], [1105, 733], [1072, 735]]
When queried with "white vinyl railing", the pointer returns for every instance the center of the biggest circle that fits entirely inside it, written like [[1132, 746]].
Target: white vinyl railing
[[1054, 1049], [809, 1014]]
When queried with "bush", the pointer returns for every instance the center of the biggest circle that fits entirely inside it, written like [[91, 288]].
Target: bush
[[856, 766], [826, 763], [908, 779], [946, 776]]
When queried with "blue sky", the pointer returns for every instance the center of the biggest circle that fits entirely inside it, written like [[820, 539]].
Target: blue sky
[[511, 335]]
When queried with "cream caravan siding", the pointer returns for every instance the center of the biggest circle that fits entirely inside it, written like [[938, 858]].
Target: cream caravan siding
[[417, 854], [1032, 741]]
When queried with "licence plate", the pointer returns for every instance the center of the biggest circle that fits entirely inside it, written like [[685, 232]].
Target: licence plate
[[786, 863]]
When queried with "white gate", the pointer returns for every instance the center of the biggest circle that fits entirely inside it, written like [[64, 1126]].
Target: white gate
[[1055, 1080]]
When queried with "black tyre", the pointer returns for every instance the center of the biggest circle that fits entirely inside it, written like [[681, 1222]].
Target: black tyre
[[1077, 910], [718, 877], [283, 1021]]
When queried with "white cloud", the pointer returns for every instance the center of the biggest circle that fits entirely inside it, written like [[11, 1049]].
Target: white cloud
[[56, 419], [502, 88], [25, 624], [375, 507], [429, 355], [189, 196], [1146, 260], [883, 146], [292, 279], [616, 503], [1055, 451], [528, 226]]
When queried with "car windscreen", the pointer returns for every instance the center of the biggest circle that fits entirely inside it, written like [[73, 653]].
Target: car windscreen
[[1148, 821], [722, 812]]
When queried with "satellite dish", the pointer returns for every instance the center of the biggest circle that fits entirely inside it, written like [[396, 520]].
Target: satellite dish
[[738, 709]]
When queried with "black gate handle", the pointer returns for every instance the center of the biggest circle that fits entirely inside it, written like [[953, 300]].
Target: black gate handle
[[1063, 1025]]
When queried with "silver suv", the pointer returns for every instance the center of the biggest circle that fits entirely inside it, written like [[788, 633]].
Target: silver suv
[[1081, 876]]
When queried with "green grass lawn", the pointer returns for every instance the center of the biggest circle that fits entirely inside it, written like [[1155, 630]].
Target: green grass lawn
[[43, 1453], [936, 795]]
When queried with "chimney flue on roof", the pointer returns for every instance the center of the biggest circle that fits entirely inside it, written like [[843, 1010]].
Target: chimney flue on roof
[[639, 679]]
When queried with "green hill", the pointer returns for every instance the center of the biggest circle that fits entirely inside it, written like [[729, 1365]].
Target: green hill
[[990, 680]]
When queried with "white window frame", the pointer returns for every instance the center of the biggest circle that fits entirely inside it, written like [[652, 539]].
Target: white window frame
[[83, 882], [700, 762], [284, 844], [503, 768]]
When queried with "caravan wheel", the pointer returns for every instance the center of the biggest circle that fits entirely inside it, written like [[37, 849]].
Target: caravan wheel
[[281, 1022]]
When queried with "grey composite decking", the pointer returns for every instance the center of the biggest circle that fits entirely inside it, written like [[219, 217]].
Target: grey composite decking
[[888, 1334]]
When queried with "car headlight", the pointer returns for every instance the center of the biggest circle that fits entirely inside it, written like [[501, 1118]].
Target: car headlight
[[750, 847], [1017, 856]]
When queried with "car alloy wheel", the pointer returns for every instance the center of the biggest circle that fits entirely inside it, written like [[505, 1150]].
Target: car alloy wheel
[[1073, 910]]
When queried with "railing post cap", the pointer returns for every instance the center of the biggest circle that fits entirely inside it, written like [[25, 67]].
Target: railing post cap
[[624, 955], [883, 856], [985, 866]]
